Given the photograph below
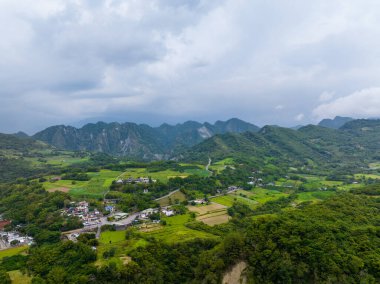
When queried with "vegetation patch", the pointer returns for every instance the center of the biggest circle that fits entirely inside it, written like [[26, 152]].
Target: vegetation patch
[[175, 230], [17, 277], [12, 251], [314, 196], [61, 189], [173, 198]]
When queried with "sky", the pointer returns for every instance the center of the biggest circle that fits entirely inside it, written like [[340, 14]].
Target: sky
[[284, 62]]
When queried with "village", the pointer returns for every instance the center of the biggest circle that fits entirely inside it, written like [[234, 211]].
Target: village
[[10, 239]]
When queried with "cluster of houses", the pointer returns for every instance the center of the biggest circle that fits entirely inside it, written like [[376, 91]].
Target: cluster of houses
[[145, 214], [82, 211], [143, 180], [12, 238]]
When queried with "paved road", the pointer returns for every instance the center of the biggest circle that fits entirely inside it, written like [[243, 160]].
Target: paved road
[[103, 221]]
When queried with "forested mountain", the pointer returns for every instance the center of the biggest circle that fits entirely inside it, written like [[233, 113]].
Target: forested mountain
[[357, 142], [13, 151], [138, 141], [335, 123]]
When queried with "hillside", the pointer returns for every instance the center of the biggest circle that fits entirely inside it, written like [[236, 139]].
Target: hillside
[[335, 123], [356, 144], [138, 141], [14, 152]]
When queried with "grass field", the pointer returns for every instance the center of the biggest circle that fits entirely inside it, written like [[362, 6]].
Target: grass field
[[175, 230], [314, 196], [112, 237], [226, 200], [229, 199], [12, 251], [94, 188], [367, 176], [63, 159], [111, 240], [178, 195], [18, 278], [221, 165], [162, 176], [263, 195], [374, 166]]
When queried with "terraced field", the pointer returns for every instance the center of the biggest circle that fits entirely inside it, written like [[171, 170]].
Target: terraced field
[[212, 214]]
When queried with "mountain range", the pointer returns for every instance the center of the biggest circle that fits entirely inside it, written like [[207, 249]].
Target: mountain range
[[138, 140], [353, 142]]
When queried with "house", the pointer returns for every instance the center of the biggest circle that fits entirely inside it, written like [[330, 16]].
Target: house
[[120, 216], [109, 208], [232, 188], [168, 212], [147, 212], [54, 179]]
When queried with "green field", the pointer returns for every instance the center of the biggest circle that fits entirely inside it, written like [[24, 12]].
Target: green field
[[366, 176], [94, 188], [314, 196], [175, 230], [263, 195], [229, 199], [226, 200], [221, 165], [12, 251], [178, 195], [18, 278], [112, 237], [64, 159], [374, 166], [162, 176]]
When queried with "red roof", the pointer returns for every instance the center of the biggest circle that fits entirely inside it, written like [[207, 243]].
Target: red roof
[[3, 223]]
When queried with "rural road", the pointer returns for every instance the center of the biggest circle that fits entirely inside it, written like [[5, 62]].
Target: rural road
[[103, 221], [167, 195], [208, 165]]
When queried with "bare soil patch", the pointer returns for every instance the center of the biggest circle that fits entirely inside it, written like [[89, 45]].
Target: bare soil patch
[[62, 189], [205, 209], [235, 275]]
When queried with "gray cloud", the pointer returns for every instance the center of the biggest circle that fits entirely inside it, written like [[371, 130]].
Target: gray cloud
[[152, 61]]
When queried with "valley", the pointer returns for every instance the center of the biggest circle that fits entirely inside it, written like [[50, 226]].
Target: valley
[[212, 200]]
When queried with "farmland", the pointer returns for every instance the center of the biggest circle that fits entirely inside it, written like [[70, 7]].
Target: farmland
[[176, 231], [94, 188], [211, 214]]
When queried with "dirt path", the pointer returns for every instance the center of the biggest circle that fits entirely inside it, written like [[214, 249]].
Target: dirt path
[[167, 195], [208, 165], [234, 276]]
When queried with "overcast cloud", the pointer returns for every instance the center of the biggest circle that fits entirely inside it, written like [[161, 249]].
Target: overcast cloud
[[154, 61]]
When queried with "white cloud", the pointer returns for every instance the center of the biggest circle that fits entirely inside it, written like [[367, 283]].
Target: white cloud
[[189, 59], [326, 96], [364, 103], [299, 117], [279, 107]]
